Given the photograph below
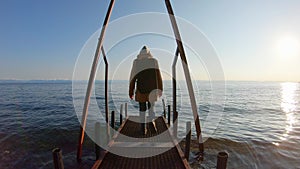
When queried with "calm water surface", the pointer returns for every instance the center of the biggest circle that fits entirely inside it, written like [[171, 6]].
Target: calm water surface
[[259, 127]]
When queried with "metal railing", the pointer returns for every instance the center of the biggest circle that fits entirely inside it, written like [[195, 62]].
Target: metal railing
[[186, 73], [91, 80], [180, 50]]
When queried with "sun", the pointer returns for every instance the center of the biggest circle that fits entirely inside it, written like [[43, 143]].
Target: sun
[[288, 47]]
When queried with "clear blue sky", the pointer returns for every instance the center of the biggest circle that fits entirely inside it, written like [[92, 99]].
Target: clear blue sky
[[42, 39]]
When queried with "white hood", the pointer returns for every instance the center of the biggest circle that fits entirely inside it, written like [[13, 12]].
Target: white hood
[[144, 53]]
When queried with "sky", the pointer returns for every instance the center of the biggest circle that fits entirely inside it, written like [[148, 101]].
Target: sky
[[254, 40]]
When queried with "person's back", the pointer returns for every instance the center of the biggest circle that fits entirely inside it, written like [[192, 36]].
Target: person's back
[[145, 73]]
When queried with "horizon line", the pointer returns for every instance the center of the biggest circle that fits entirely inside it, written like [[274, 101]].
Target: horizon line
[[231, 80]]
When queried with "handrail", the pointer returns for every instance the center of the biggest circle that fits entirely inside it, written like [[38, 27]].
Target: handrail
[[91, 81], [174, 80], [180, 50], [186, 73], [106, 84], [106, 91], [175, 114]]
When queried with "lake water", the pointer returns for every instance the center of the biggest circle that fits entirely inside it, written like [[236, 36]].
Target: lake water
[[259, 126]]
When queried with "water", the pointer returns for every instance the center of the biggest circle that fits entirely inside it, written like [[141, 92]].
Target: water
[[259, 127]]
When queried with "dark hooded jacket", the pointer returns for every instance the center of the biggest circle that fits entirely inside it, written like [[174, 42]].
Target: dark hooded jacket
[[146, 75]]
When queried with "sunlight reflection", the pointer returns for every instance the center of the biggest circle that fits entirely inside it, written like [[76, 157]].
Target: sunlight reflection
[[288, 106]]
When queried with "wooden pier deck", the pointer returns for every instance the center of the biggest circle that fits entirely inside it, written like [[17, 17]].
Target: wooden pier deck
[[165, 149]]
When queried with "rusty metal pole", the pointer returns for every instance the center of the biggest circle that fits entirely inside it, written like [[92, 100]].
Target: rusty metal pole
[[174, 80], [57, 158], [106, 91], [187, 75], [175, 113], [106, 84], [91, 81], [222, 160]]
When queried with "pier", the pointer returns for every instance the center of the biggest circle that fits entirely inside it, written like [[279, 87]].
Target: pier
[[168, 153], [158, 148]]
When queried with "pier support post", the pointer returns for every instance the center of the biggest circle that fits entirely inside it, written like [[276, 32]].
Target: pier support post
[[222, 160], [126, 109], [187, 140], [97, 140], [112, 122], [175, 123], [169, 115], [108, 132], [164, 107], [121, 114], [57, 158]]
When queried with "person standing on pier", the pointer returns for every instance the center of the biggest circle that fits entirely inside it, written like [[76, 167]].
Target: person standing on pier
[[146, 76]]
